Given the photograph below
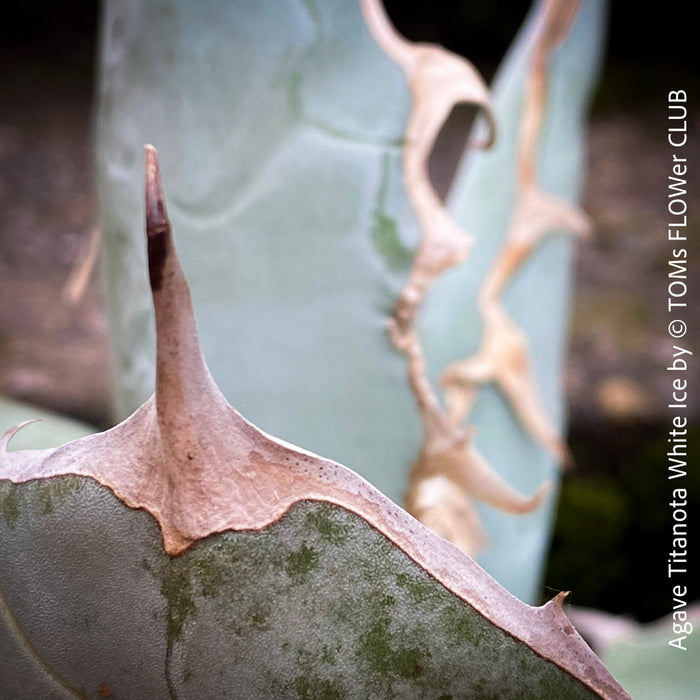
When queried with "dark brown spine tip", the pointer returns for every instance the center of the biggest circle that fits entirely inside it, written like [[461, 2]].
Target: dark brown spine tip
[[157, 222], [156, 214]]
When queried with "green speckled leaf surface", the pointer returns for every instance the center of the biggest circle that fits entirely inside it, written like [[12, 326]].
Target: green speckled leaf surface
[[318, 605]]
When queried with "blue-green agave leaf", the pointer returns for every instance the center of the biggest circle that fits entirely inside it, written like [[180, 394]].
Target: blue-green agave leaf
[[537, 297]]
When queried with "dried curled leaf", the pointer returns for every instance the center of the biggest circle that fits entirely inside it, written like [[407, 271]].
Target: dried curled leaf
[[199, 468]]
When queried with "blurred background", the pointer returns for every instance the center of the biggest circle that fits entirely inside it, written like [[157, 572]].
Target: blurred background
[[612, 531]]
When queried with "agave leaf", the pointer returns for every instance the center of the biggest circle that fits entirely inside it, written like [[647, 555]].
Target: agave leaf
[[448, 471], [52, 429], [282, 135], [641, 656], [184, 553], [506, 310], [335, 204]]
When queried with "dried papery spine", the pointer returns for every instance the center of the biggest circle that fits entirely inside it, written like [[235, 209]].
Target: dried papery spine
[[443, 481], [503, 360], [448, 471]]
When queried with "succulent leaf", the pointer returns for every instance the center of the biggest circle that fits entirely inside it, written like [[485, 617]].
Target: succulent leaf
[[279, 574], [506, 309]]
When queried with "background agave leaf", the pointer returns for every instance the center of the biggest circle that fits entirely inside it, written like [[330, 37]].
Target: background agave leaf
[[51, 429], [640, 656], [280, 132], [482, 199], [281, 138]]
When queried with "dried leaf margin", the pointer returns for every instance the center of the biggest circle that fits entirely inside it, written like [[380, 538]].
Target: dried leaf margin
[[503, 357], [448, 472]]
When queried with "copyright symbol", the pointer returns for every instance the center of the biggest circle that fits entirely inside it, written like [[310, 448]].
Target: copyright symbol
[[677, 328]]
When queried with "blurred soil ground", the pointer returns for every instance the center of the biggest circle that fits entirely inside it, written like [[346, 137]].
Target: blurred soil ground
[[52, 352]]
